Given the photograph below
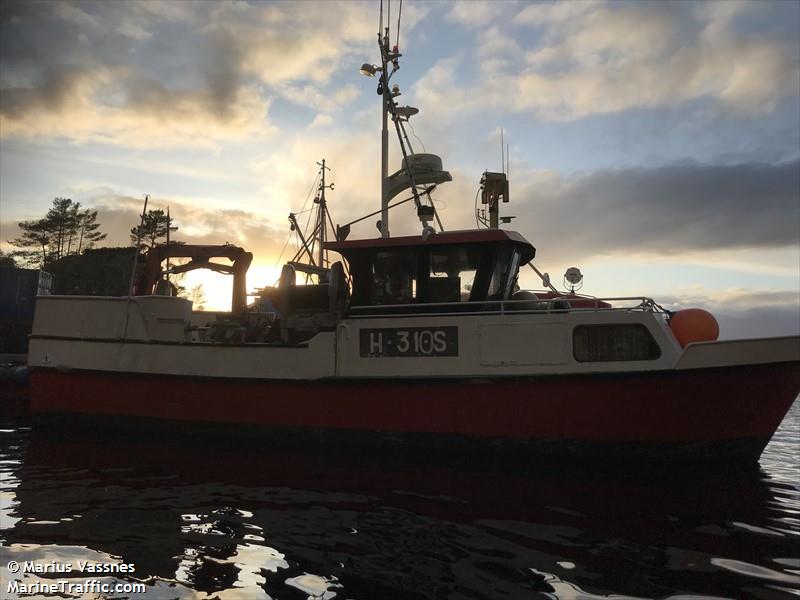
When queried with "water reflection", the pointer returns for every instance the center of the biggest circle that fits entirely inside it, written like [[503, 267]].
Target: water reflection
[[201, 521]]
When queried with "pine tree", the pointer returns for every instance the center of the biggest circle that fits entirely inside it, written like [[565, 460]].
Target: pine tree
[[6, 260], [34, 243], [151, 230], [62, 219], [88, 227], [52, 237]]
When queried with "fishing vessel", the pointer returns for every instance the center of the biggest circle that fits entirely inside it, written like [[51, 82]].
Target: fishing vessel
[[424, 338]]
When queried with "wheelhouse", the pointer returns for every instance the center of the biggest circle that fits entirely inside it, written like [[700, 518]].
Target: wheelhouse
[[450, 268]]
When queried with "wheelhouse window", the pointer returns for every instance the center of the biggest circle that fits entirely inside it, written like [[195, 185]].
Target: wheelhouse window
[[393, 277], [606, 343], [434, 274], [451, 273]]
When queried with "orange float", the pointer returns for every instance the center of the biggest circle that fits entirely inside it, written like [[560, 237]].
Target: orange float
[[694, 325]]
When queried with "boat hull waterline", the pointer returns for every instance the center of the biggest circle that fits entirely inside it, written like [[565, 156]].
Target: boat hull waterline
[[714, 412]]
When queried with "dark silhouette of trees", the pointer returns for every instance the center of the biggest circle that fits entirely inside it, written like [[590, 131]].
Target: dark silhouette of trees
[[88, 232], [153, 228], [64, 230], [6, 260]]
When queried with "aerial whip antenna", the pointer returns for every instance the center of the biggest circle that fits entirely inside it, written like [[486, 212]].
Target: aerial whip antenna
[[399, 13], [502, 156], [139, 233]]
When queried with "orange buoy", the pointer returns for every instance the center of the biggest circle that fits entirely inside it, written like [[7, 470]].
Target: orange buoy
[[694, 325]]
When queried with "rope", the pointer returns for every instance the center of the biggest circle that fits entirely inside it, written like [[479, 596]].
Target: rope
[[414, 133]]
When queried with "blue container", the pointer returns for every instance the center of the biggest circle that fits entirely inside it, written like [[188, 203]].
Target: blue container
[[18, 291]]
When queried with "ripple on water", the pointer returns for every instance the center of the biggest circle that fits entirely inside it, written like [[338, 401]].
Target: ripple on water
[[291, 525]]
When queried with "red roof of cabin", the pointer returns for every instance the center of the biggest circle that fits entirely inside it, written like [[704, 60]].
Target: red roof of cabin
[[467, 236]]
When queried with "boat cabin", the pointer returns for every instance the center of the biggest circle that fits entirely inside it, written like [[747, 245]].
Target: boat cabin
[[449, 267], [442, 272]]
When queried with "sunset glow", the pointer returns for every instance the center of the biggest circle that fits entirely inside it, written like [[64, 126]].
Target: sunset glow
[[654, 145]]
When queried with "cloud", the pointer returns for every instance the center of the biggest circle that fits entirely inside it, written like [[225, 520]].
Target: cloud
[[321, 120], [313, 97], [149, 73], [757, 322], [566, 61], [286, 176], [736, 298], [64, 104], [672, 209], [197, 224], [743, 312], [553, 13], [475, 13]]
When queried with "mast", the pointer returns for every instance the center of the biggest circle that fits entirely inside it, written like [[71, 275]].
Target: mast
[[322, 213], [166, 272], [417, 170], [312, 247], [384, 87]]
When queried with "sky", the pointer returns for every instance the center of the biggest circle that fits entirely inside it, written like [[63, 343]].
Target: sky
[[655, 145]]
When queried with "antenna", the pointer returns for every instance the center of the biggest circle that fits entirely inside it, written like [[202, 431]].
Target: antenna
[[502, 156], [139, 232], [399, 14]]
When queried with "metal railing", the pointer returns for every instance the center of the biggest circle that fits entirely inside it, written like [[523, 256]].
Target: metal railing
[[501, 307]]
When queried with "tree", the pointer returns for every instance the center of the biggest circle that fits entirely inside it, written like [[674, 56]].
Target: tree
[[88, 227], [6, 260], [198, 297], [50, 238], [155, 226], [34, 243], [62, 220]]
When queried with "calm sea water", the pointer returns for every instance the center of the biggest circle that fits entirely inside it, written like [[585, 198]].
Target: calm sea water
[[222, 521]]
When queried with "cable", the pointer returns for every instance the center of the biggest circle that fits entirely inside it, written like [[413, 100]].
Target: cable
[[313, 186], [289, 237], [414, 133]]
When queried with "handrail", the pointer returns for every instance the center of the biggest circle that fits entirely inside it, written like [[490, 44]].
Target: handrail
[[548, 305]]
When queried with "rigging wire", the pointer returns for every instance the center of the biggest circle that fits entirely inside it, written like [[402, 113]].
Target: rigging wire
[[310, 191], [414, 133], [311, 210], [289, 237]]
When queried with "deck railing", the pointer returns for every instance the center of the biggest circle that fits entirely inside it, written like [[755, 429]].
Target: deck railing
[[502, 307]]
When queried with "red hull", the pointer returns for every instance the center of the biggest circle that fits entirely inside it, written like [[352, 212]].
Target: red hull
[[701, 406]]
